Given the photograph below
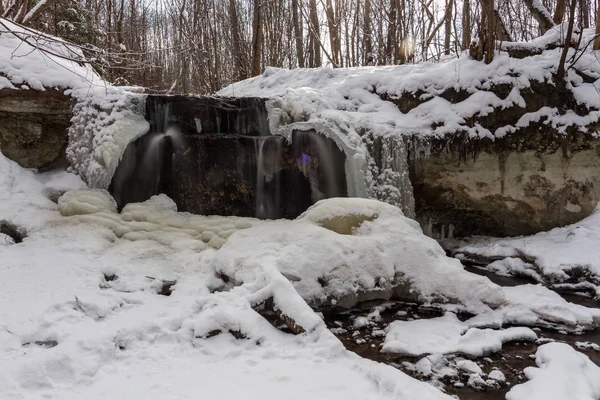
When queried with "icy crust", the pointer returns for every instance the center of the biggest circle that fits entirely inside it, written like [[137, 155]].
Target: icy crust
[[561, 373], [23, 65], [448, 335], [562, 255], [104, 122], [156, 219], [383, 254]]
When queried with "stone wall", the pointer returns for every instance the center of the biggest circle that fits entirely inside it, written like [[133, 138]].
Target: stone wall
[[33, 126]]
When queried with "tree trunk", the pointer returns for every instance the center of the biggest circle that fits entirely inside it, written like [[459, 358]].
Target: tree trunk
[[334, 39], [560, 72], [367, 44], [597, 38], [315, 35], [237, 41], [257, 36], [540, 13], [448, 27], [298, 34], [392, 34], [559, 12], [585, 13]]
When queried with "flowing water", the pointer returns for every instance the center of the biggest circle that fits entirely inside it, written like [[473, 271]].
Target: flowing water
[[269, 154], [217, 156]]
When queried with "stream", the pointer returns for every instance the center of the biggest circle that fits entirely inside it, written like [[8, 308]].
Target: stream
[[361, 330]]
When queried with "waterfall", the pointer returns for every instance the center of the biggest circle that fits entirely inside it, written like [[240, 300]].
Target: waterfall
[[314, 157], [217, 156], [269, 154]]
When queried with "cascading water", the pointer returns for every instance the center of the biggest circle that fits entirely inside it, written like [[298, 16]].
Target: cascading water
[[217, 156], [314, 157], [269, 153]]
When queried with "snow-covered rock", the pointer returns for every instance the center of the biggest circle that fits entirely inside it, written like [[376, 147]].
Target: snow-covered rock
[[40, 61], [537, 305], [385, 254], [447, 334], [561, 373], [568, 254]]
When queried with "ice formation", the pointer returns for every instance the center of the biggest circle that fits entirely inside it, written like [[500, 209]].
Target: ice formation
[[86, 305], [104, 122], [356, 106], [156, 219], [105, 118], [351, 249]]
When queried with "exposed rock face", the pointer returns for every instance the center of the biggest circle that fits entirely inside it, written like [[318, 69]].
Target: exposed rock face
[[33, 126], [516, 185]]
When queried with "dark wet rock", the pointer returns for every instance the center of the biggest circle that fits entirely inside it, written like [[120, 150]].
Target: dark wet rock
[[46, 344], [278, 318], [16, 233], [33, 126], [361, 330], [166, 288]]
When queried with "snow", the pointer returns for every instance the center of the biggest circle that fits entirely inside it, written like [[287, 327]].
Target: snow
[[564, 254], [102, 125], [497, 375], [447, 334], [561, 373], [86, 319], [354, 97], [42, 61], [355, 107], [332, 264], [536, 305], [512, 266], [105, 119]]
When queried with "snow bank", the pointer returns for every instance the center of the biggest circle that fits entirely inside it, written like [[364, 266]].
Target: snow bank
[[27, 198], [536, 305], [340, 251], [568, 254], [447, 334], [360, 107], [156, 220], [561, 373], [346, 250], [355, 96]]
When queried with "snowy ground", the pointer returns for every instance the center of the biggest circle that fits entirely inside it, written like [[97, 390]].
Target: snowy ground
[[155, 303], [82, 318]]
